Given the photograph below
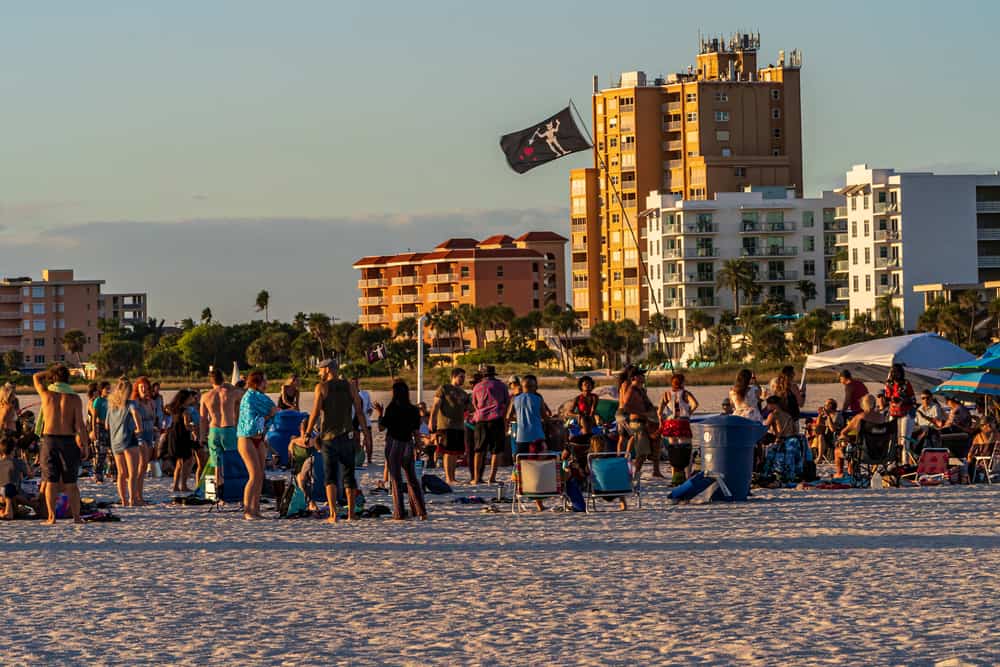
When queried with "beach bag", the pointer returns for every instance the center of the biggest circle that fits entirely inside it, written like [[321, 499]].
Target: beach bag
[[294, 502], [434, 484], [575, 495]]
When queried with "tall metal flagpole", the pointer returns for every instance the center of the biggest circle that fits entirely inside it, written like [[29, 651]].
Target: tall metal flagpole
[[628, 224]]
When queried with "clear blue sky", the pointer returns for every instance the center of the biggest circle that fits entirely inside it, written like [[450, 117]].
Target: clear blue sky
[[163, 145]]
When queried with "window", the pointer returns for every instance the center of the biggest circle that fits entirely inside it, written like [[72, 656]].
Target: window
[[60, 324], [776, 133], [37, 292], [775, 114], [60, 291], [739, 171], [25, 291], [855, 285], [39, 358], [865, 204], [59, 307], [807, 219], [691, 97], [776, 152], [612, 142], [499, 289], [38, 325], [854, 229], [809, 243], [854, 255], [628, 160], [867, 227], [868, 255], [722, 135], [727, 152], [868, 283], [499, 270], [721, 96], [612, 121], [27, 325], [463, 272], [692, 117], [628, 142], [579, 187], [721, 116], [39, 342], [26, 308], [775, 94], [809, 267], [465, 290]]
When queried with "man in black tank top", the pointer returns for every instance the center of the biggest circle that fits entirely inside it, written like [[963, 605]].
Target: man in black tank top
[[334, 398]]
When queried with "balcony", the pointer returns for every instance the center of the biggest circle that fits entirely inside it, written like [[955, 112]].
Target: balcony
[[886, 236], [10, 298], [988, 207], [701, 228], [436, 278], [13, 315], [767, 227], [672, 126], [690, 253], [672, 106], [985, 262], [579, 266], [843, 294], [673, 278], [10, 332], [771, 251], [372, 283], [842, 239], [882, 290], [406, 298], [840, 212], [630, 281], [780, 276], [886, 262], [372, 301], [373, 319], [842, 266], [628, 185], [675, 164], [438, 297], [405, 280], [835, 226], [674, 145], [578, 223], [885, 207], [672, 303], [702, 302]]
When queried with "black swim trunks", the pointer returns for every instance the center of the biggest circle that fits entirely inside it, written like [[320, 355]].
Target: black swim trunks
[[60, 459]]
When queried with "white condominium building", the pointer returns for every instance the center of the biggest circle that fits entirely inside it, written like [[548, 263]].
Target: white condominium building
[[787, 240], [942, 228]]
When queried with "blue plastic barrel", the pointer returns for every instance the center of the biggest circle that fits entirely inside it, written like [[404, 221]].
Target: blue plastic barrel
[[727, 443]]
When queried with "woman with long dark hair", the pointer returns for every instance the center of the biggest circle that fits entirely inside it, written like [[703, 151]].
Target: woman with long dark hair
[[256, 408], [401, 421], [180, 443], [745, 395]]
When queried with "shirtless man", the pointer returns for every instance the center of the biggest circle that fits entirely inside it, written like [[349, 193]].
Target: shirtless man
[[219, 412], [64, 440], [334, 399]]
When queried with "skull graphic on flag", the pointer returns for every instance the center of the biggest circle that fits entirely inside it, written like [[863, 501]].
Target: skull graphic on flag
[[549, 140]]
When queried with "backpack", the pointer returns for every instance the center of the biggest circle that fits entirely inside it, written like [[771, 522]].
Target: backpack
[[434, 484]]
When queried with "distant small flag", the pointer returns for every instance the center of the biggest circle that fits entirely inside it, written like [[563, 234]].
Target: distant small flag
[[549, 140]]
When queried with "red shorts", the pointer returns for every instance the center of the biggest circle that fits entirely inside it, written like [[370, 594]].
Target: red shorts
[[676, 428]]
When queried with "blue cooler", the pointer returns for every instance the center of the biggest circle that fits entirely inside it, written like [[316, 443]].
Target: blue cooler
[[727, 444]]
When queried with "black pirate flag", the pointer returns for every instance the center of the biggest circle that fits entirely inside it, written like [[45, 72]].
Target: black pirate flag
[[549, 140]]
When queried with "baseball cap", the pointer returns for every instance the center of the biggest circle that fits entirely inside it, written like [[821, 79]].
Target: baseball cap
[[328, 363]]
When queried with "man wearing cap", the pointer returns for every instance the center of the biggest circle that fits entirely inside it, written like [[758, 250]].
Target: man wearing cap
[[490, 399], [334, 399]]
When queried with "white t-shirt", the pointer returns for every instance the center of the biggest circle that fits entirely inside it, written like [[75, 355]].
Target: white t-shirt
[[366, 404]]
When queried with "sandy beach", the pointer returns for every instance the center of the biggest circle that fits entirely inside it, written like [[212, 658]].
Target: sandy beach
[[900, 576]]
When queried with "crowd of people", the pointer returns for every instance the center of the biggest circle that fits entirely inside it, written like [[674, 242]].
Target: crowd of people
[[126, 429]]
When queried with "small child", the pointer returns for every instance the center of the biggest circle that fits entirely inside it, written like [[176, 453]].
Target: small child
[[12, 472]]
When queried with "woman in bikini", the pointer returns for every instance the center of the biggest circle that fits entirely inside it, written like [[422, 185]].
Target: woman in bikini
[[256, 408]]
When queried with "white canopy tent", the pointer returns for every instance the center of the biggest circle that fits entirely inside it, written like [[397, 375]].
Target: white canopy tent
[[922, 355]]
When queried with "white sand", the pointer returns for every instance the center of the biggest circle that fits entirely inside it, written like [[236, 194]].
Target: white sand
[[902, 576]]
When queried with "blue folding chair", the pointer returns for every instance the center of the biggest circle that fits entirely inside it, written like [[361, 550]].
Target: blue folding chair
[[610, 477], [233, 480]]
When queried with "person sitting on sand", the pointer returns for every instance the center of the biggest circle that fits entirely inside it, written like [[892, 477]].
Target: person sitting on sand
[[12, 473]]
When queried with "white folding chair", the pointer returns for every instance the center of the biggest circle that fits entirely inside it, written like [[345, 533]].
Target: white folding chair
[[988, 464], [537, 478]]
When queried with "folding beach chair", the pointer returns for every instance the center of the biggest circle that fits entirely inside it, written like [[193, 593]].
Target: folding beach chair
[[990, 465], [610, 477], [233, 480], [932, 467], [538, 477], [875, 451]]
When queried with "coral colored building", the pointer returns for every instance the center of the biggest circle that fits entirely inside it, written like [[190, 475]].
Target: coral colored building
[[526, 273]]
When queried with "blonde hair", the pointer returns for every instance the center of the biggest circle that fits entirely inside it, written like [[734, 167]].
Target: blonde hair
[[120, 394], [8, 394], [780, 385], [867, 403]]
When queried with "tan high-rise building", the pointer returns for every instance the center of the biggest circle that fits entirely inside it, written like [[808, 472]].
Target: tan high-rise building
[[725, 124]]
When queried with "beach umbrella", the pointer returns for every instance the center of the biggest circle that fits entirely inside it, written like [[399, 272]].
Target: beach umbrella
[[983, 363], [979, 383]]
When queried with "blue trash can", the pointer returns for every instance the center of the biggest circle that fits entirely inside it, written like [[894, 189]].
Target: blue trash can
[[727, 443]]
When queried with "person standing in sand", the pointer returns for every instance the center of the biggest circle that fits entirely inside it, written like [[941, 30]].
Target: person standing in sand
[[64, 439], [333, 401], [219, 413]]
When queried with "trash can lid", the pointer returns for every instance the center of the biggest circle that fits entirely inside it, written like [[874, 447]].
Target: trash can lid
[[727, 421]]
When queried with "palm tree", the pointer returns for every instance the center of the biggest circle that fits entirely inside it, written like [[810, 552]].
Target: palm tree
[[472, 318], [73, 342], [564, 325], [968, 301], [206, 315], [318, 325], [660, 325], [698, 321], [993, 308], [887, 313], [736, 275], [632, 338], [720, 341], [262, 302], [807, 291], [299, 322], [606, 342], [406, 328]]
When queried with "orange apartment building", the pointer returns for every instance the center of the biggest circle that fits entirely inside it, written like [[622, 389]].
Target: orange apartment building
[[718, 127], [36, 314], [526, 273]]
